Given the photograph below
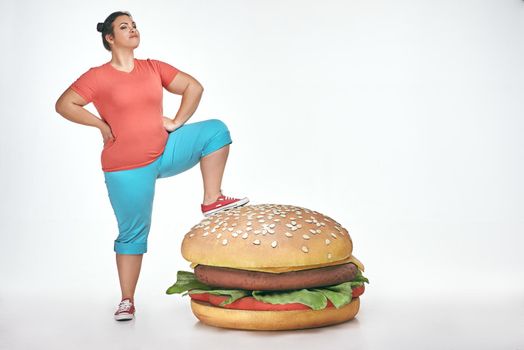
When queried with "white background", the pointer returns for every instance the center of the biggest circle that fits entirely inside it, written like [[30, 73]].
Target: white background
[[402, 120]]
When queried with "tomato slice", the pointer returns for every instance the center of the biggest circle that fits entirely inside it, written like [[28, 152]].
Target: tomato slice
[[357, 291], [250, 303], [201, 297]]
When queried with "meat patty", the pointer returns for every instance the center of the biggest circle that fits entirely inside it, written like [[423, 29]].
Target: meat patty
[[229, 278]]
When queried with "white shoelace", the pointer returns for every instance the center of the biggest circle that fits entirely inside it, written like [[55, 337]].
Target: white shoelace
[[124, 306]]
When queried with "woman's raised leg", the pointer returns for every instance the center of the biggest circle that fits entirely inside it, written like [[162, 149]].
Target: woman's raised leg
[[212, 167], [206, 142]]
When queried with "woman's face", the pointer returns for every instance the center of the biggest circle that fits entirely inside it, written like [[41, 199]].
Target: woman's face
[[126, 35]]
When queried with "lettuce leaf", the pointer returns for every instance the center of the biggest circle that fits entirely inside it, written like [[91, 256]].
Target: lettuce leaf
[[234, 294], [339, 294], [186, 281], [360, 279], [315, 298]]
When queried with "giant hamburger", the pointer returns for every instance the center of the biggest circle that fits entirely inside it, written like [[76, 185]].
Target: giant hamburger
[[270, 267]]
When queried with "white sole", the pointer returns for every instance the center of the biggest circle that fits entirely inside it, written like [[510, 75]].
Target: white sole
[[123, 317], [229, 206]]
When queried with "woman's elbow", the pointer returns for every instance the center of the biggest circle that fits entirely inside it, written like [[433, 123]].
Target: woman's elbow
[[60, 106], [60, 103], [198, 87]]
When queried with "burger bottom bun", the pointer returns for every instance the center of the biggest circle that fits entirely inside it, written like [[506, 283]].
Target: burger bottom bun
[[272, 320]]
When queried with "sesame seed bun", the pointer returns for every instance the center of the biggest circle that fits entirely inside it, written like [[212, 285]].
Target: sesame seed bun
[[273, 320], [268, 237]]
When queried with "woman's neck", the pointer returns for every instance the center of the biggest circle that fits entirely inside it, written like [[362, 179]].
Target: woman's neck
[[123, 60]]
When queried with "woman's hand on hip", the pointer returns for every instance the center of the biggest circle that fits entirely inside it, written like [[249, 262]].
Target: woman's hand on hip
[[170, 124], [107, 134]]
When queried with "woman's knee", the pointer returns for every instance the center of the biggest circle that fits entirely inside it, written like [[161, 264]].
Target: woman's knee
[[218, 137], [133, 234], [130, 247], [217, 125]]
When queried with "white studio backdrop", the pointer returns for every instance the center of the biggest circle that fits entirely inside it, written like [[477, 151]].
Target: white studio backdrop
[[402, 120]]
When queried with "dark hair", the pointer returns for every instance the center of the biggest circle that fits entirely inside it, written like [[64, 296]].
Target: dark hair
[[106, 27]]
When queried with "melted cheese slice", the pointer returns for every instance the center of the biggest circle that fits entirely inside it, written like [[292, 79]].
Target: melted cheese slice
[[350, 259]]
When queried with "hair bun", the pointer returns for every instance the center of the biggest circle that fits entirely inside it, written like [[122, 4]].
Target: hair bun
[[100, 27]]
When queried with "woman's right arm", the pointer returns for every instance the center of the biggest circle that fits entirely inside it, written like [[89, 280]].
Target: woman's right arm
[[70, 105]]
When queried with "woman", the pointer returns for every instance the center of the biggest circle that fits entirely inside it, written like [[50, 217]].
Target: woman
[[140, 144]]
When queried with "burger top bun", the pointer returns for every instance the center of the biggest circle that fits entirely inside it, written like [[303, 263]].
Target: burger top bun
[[268, 237]]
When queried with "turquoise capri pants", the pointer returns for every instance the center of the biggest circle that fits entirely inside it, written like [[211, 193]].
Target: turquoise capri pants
[[131, 191]]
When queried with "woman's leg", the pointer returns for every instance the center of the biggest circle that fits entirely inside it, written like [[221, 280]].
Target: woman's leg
[[131, 193], [206, 142], [212, 167], [128, 271]]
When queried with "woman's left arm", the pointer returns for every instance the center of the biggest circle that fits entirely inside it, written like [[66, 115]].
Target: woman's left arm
[[191, 91]]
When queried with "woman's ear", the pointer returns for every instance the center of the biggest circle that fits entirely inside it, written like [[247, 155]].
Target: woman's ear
[[110, 38]]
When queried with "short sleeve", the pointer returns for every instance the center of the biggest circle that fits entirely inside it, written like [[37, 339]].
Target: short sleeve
[[167, 72], [85, 85]]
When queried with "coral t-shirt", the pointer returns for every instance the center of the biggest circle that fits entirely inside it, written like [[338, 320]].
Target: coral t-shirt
[[131, 103]]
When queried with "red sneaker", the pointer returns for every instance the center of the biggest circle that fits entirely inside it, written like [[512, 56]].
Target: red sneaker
[[126, 310], [222, 203]]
